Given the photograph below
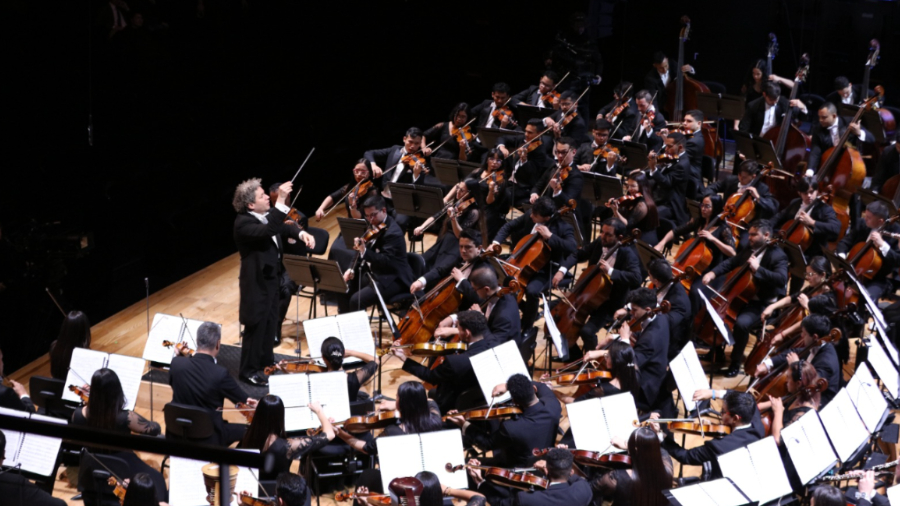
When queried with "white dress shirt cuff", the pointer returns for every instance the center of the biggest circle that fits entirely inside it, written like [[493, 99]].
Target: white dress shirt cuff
[[563, 270], [885, 247], [283, 208]]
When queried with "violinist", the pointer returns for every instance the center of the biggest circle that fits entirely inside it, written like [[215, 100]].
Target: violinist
[[823, 358], [888, 165], [514, 440], [822, 301], [491, 180], [541, 219], [500, 309], [140, 491], [667, 289], [455, 137], [695, 146], [14, 396], [460, 212], [526, 164], [291, 490], [352, 194], [765, 112], [622, 365], [385, 258], [874, 217], [623, 269], [621, 112], [455, 374], [17, 490], [259, 232], [638, 212], [670, 179], [541, 95], [75, 332], [496, 112], [828, 131], [199, 381], [574, 126], [650, 122], [769, 273], [561, 183], [566, 488], [738, 411], [650, 473], [467, 253], [597, 156]]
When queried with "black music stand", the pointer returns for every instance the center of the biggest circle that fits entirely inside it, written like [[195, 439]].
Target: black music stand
[[490, 136], [721, 106], [451, 172], [756, 148], [417, 201], [870, 119], [351, 228], [526, 113], [647, 253], [694, 208], [576, 228], [867, 196], [321, 274], [598, 189], [796, 259], [635, 154]]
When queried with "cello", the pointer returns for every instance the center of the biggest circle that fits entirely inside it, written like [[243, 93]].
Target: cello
[[740, 208], [818, 387], [531, 253], [791, 144], [775, 382], [795, 231]]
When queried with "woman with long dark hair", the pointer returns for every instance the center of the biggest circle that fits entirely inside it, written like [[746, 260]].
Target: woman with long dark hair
[[75, 332], [639, 213], [720, 238], [494, 188], [433, 492], [643, 484], [141, 492], [334, 353], [622, 365], [755, 82], [448, 133], [267, 434]]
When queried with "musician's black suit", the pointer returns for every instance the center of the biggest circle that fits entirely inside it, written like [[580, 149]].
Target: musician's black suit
[[711, 449], [669, 187], [827, 365], [576, 491], [651, 349], [680, 318], [526, 174], [878, 284], [199, 381], [821, 141], [10, 399], [755, 114]]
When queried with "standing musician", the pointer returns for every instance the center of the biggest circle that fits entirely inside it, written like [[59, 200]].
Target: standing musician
[[597, 156], [540, 95], [528, 164], [457, 139], [770, 275], [824, 358], [514, 440], [874, 217], [765, 112], [828, 132], [575, 127], [695, 146], [386, 257], [888, 165], [468, 251], [561, 183], [623, 269], [259, 231], [650, 122], [670, 180], [651, 348], [738, 411], [627, 118], [491, 113], [455, 374], [649, 476], [500, 309], [566, 488], [541, 219]]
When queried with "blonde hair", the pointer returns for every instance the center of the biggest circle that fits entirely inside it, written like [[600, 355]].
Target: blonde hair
[[245, 194]]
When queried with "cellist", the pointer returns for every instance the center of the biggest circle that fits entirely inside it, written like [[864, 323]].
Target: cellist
[[764, 204], [874, 217], [829, 130], [541, 219], [500, 308], [770, 275], [888, 166], [468, 255]]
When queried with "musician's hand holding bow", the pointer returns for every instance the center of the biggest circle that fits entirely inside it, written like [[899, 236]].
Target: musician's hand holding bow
[[498, 390], [348, 275], [543, 231], [594, 355], [625, 333], [605, 266], [708, 277], [806, 219], [767, 312], [702, 394], [557, 278], [417, 286], [620, 313], [792, 357], [761, 370], [533, 198], [457, 274], [308, 239], [376, 171], [753, 263], [654, 425], [474, 473], [541, 465], [619, 442]]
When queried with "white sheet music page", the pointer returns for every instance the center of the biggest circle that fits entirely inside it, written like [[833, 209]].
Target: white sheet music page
[[893, 494], [317, 331], [330, 390], [688, 374], [186, 486], [13, 438], [293, 389], [620, 413], [719, 492], [165, 327], [356, 334], [589, 425], [441, 447], [693, 495], [495, 366], [38, 453], [867, 397], [399, 456], [553, 331], [843, 425], [757, 470], [808, 447], [882, 366], [130, 370], [717, 320], [81, 368]]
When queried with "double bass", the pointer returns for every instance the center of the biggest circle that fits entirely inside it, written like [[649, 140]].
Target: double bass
[[791, 144]]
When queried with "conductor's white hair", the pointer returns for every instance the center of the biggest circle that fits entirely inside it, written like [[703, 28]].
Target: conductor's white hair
[[245, 194]]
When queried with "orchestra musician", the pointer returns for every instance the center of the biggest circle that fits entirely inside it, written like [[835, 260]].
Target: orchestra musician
[[75, 332], [865, 494], [562, 183], [386, 258], [444, 253], [467, 253], [455, 374], [639, 211], [621, 362], [541, 219], [650, 473], [141, 491], [822, 301], [828, 131], [888, 165], [259, 232], [291, 490], [448, 134], [755, 84], [490, 179], [18, 490], [526, 165], [874, 217], [670, 180], [500, 94], [391, 160], [500, 309], [14, 396], [845, 92], [800, 381], [765, 205], [651, 122], [333, 353], [658, 78], [770, 273], [660, 274], [625, 121], [575, 127], [535, 95], [695, 147], [597, 156], [765, 112], [566, 488]]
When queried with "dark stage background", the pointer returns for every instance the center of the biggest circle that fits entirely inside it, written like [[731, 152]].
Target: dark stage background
[[182, 113]]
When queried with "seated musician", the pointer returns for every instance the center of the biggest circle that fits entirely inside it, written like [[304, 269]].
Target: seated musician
[[660, 273], [845, 92], [670, 180], [888, 166], [455, 374], [865, 493], [596, 155], [651, 348], [14, 396], [766, 112], [467, 253], [446, 134], [623, 269], [566, 488], [490, 179], [623, 123], [738, 411], [198, 380], [637, 210], [386, 258], [650, 473], [695, 147], [651, 123], [874, 217], [823, 357], [801, 379], [500, 309], [514, 440], [291, 490], [817, 216], [541, 219], [333, 353], [769, 275], [500, 93], [462, 212], [621, 363], [821, 301], [75, 332], [828, 131], [528, 164], [575, 128], [552, 183], [533, 95], [766, 206], [266, 434], [17, 490]]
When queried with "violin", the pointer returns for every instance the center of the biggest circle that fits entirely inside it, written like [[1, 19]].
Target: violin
[[293, 216], [370, 497], [495, 413], [637, 324], [248, 500], [593, 459], [506, 477], [605, 150], [612, 115], [568, 119], [427, 349], [371, 234], [362, 188], [81, 393], [690, 426], [245, 409], [625, 200], [357, 424], [504, 113], [179, 347], [413, 159], [582, 378], [291, 367], [119, 488], [463, 135]]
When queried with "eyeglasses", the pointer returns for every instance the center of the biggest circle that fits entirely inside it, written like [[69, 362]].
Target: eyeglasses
[[706, 206], [561, 153], [372, 215]]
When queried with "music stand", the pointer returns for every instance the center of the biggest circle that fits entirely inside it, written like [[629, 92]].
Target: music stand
[[351, 228], [635, 153], [721, 106], [570, 219], [755, 148], [526, 113], [417, 201], [598, 189], [318, 273], [693, 208], [867, 196], [647, 253], [490, 136], [870, 119], [796, 258], [451, 172]]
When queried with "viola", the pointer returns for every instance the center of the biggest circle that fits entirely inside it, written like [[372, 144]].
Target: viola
[[370, 497], [504, 113], [637, 324], [245, 409], [119, 488], [818, 387], [593, 459], [426, 349], [775, 382], [506, 477], [179, 347], [248, 500], [82, 393], [292, 367], [494, 413], [463, 136], [357, 424], [362, 189], [371, 234], [531, 253]]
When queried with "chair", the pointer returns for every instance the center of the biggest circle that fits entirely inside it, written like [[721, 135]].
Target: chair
[[399, 304], [528, 346], [812, 101], [708, 169], [187, 422], [47, 393], [322, 237], [339, 460], [93, 476]]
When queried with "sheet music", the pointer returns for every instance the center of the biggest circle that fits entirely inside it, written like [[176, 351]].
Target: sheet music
[[757, 470], [843, 425], [13, 438], [867, 397], [166, 327], [719, 492], [186, 487], [81, 368], [130, 370], [688, 374], [893, 494], [38, 453], [293, 389], [330, 390], [353, 329], [562, 350], [318, 330], [410, 454], [595, 422], [717, 320], [808, 447], [883, 367], [495, 366]]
